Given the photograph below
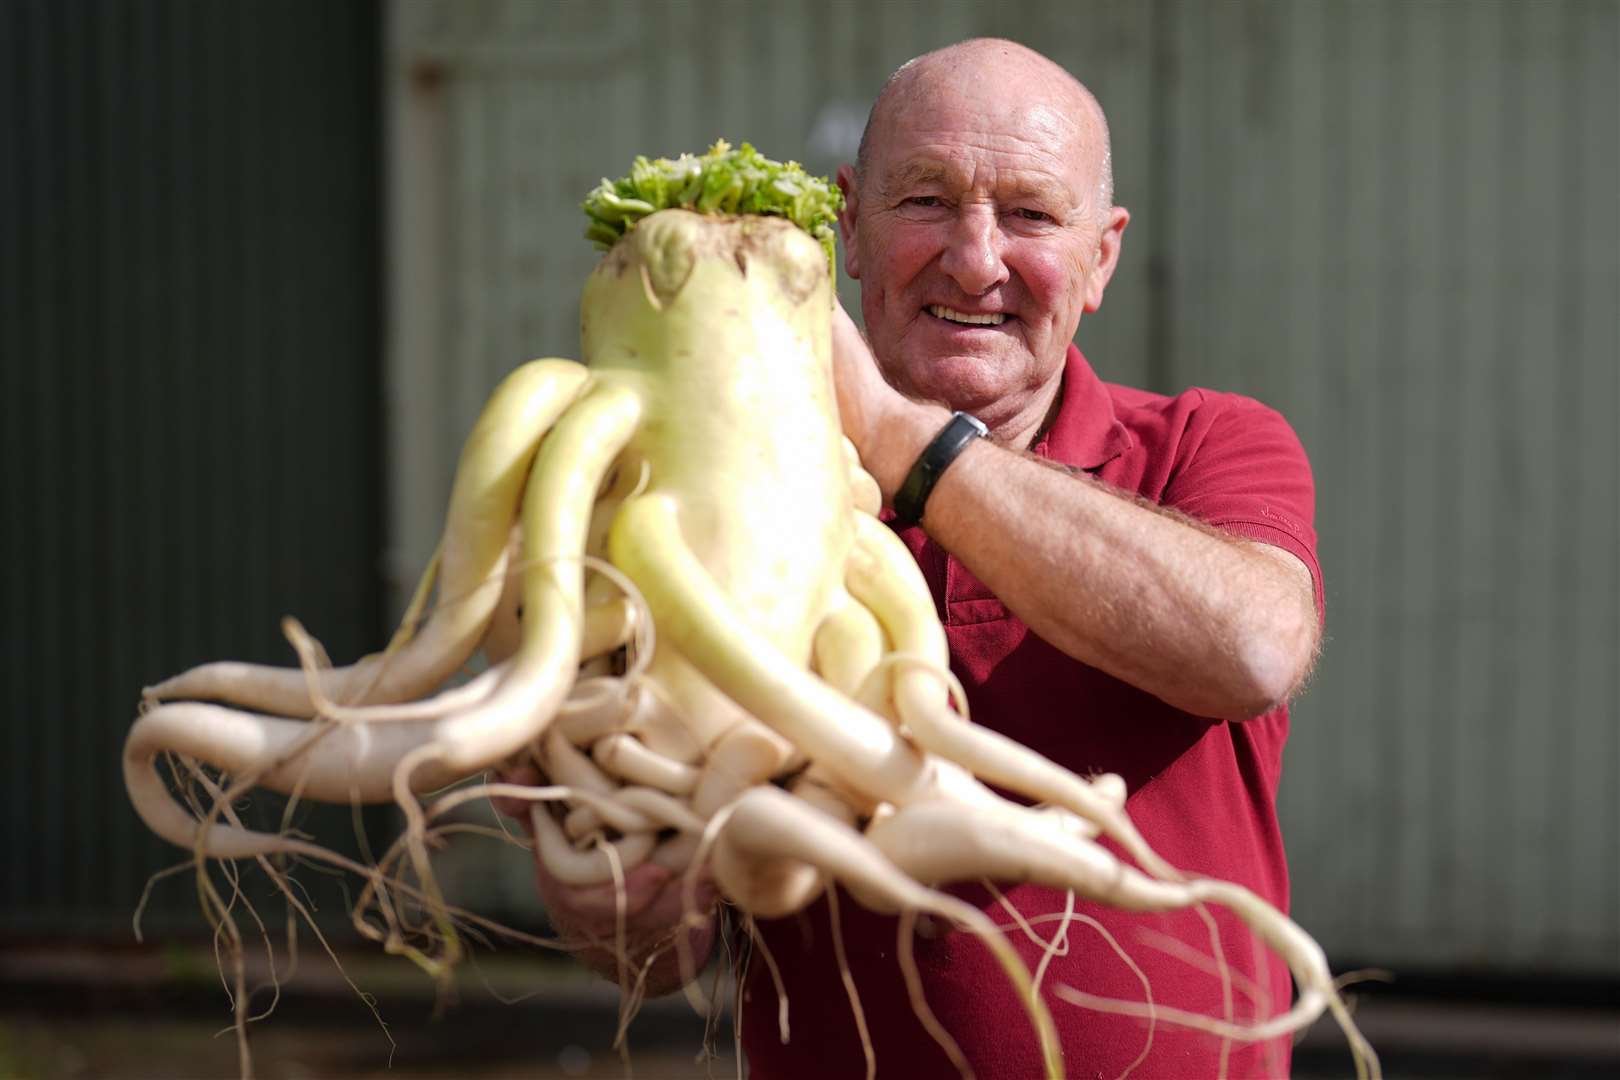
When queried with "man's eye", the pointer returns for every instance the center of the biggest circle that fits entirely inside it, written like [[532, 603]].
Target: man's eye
[[1027, 214], [925, 201]]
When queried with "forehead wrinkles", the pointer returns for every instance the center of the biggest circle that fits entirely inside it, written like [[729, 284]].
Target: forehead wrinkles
[[987, 164], [956, 135]]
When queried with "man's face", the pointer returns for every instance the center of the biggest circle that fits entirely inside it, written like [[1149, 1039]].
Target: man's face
[[978, 242]]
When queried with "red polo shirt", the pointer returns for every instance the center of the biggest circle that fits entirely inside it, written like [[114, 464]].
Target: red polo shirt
[[1203, 794]]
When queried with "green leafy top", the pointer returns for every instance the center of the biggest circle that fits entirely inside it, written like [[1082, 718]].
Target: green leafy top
[[723, 181]]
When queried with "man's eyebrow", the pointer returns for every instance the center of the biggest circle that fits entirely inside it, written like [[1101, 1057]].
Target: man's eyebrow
[[1049, 192], [913, 173]]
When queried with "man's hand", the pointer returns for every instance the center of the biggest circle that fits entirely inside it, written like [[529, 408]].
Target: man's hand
[[654, 903], [888, 429]]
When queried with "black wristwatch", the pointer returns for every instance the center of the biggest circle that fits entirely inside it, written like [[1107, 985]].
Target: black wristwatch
[[962, 429]]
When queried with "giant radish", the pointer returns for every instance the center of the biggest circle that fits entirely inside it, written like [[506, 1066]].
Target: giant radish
[[682, 509]]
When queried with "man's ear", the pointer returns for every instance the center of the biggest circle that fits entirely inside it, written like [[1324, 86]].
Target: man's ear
[[846, 219], [1108, 245]]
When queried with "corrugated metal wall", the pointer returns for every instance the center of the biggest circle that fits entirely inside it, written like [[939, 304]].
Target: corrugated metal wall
[[1394, 221], [189, 416], [1403, 232]]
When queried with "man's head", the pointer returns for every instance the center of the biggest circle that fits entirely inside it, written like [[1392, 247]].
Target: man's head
[[980, 224]]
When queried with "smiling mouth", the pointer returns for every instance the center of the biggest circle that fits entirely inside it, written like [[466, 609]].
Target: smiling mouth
[[962, 318]]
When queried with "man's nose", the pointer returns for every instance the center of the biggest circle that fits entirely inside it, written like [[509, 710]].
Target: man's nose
[[972, 256]]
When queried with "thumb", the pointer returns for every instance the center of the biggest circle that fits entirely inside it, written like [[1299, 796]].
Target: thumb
[[856, 378]]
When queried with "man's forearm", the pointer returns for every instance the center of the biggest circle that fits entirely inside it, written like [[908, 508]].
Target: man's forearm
[[1211, 624]]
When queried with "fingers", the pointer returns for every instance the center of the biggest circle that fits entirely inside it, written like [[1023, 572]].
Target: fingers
[[652, 899], [888, 429], [526, 774], [856, 377]]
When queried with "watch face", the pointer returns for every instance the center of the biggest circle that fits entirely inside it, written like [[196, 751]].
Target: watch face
[[974, 422]]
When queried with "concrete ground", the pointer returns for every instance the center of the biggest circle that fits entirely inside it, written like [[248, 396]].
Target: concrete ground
[[125, 1014], [72, 1011]]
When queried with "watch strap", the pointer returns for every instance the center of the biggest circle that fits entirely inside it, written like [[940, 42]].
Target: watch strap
[[959, 431]]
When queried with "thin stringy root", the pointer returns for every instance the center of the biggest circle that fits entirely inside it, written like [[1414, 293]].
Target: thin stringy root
[[399, 905], [406, 917]]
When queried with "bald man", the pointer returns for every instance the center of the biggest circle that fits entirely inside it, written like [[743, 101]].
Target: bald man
[[1128, 583]]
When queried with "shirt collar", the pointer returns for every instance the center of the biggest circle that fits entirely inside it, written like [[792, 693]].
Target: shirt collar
[[1085, 431]]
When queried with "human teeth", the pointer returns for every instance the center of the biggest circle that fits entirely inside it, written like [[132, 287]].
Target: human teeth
[[993, 319]]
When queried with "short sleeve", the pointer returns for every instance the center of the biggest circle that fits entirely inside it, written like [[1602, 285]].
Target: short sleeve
[[1241, 469]]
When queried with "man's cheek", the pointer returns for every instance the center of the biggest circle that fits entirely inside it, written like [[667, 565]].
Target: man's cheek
[[896, 256]]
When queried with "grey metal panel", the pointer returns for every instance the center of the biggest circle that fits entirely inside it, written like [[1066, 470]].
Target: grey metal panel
[[1587, 577], [1395, 222], [188, 362]]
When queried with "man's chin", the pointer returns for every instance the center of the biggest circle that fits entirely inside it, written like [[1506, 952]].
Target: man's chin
[[966, 384]]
